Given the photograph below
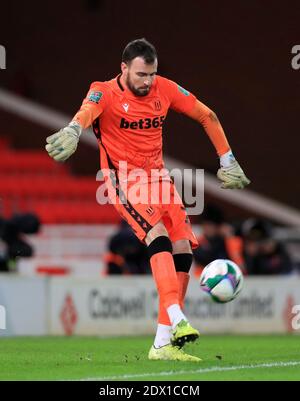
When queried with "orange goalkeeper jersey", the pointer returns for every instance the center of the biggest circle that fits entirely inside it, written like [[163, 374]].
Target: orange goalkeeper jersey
[[130, 127]]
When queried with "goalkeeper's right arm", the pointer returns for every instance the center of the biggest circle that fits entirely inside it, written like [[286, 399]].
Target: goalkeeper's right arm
[[61, 145]]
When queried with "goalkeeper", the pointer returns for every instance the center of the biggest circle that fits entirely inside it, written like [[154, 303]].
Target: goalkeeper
[[127, 114]]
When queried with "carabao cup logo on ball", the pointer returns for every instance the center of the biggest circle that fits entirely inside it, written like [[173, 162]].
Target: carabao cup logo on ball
[[222, 279]]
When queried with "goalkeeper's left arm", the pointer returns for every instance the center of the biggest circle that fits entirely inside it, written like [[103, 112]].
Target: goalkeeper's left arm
[[230, 172], [61, 145]]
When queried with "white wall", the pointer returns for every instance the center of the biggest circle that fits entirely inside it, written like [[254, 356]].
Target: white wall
[[26, 303]]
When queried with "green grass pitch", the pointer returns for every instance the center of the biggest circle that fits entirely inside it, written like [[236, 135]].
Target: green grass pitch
[[227, 357]]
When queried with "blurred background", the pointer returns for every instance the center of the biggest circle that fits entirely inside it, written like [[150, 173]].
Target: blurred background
[[234, 56]]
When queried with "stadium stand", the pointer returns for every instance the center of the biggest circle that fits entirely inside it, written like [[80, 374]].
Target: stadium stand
[[32, 182]]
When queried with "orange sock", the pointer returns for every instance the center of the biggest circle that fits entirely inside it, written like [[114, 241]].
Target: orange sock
[[164, 273], [182, 282]]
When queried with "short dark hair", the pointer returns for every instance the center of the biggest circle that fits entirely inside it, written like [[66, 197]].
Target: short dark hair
[[139, 48]]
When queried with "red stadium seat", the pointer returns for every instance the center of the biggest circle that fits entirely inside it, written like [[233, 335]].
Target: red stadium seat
[[31, 182]]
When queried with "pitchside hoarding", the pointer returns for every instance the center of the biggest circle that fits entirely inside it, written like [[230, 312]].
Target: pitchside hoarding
[[127, 306]]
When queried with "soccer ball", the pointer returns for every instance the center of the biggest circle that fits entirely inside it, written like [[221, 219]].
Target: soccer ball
[[222, 279]]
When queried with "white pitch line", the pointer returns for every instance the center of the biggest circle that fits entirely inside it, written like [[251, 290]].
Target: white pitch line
[[197, 371]]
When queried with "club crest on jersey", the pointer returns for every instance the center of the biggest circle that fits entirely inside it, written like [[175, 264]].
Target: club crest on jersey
[[125, 106], [150, 210], [157, 105], [95, 96]]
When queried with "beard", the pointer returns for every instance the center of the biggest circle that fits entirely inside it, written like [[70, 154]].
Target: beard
[[137, 91]]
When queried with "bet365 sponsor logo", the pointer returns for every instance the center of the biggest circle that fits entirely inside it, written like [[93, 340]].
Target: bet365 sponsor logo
[[143, 123], [2, 58], [296, 318], [296, 58], [2, 318]]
